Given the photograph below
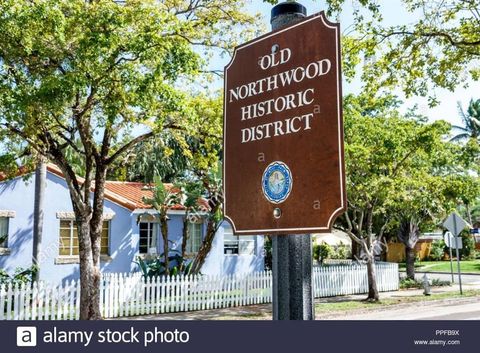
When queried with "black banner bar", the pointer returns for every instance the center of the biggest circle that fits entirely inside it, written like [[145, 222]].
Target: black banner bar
[[240, 336]]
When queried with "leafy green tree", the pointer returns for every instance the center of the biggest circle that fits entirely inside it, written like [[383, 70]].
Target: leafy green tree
[[421, 200], [93, 71], [439, 45], [382, 152], [475, 213], [179, 154]]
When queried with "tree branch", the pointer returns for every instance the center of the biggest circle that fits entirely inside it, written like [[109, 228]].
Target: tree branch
[[434, 34], [349, 230], [129, 146]]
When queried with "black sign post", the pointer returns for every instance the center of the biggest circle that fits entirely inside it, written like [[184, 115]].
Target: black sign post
[[291, 254], [283, 170]]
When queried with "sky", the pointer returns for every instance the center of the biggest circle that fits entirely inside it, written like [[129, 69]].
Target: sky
[[393, 14]]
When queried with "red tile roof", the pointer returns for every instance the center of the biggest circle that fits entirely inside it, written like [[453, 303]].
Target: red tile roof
[[21, 171], [135, 192], [127, 194]]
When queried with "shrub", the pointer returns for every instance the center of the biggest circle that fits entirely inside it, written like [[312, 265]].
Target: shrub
[[21, 275], [322, 251], [407, 283], [156, 266], [468, 246], [341, 252], [437, 251], [316, 251], [436, 282]]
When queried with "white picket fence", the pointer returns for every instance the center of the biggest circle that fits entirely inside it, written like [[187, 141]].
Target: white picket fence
[[329, 281], [338, 262], [130, 295]]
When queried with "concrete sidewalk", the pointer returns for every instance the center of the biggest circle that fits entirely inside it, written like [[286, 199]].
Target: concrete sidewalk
[[264, 311]]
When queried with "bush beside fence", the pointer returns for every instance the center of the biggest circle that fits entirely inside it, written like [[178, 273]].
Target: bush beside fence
[[130, 295]]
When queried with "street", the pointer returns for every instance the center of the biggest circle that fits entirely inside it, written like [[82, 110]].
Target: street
[[466, 279]]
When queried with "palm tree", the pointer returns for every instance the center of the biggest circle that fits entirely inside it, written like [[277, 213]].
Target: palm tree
[[471, 120], [212, 185], [191, 192], [162, 199], [469, 132], [409, 233], [163, 156]]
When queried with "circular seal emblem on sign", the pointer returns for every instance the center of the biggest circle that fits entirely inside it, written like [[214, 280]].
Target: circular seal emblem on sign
[[277, 182]]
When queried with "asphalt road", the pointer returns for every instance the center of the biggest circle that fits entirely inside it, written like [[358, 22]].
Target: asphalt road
[[466, 279], [462, 309]]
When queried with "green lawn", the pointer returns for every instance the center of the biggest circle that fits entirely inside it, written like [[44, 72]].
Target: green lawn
[[472, 266], [349, 306], [326, 308]]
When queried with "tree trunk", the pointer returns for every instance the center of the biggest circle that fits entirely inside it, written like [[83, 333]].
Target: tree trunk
[[89, 274], [410, 262], [185, 235], [408, 233], [96, 227], [96, 223], [203, 251], [469, 213], [356, 250], [215, 203], [184, 240], [164, 230], [202, 254], [372, 281], [40, 182]]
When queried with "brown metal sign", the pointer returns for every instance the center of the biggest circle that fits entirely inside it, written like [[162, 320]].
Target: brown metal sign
[[283, 131]]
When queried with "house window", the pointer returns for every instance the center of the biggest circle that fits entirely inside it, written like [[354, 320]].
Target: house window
[[148, 237], [3, 232], [194, 237], [237, 245], [69, 238]]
